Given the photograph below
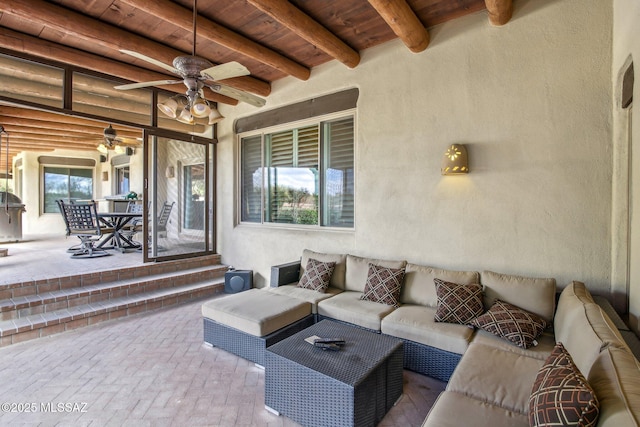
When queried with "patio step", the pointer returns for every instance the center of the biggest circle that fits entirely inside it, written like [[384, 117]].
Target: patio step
[[99, 297]]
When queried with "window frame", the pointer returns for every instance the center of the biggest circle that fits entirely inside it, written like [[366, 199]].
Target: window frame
[[117, 169], [44, 166], [322, 154]]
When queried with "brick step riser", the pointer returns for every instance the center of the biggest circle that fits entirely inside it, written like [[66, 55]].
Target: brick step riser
[[117, 291], [14, 290], [75, 322]]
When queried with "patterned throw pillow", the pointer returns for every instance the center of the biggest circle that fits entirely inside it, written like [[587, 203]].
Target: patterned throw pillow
[[511, 323], [458, 303], [383, 285], [317, 275], [561, 395]]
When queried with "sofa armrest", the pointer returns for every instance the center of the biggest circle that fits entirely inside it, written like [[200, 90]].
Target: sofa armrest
[[284, 274]]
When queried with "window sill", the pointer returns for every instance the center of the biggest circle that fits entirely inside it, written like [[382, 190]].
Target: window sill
[[295, 227]]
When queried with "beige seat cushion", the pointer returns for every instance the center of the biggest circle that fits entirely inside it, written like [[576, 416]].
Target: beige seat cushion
[[419, 287], [338, 276], [348, 307], [535, 295], [502, 378], [314, 297], [457, 410], [256, 312], [546, 342], [415, 323], [358, 270], [615, 377]]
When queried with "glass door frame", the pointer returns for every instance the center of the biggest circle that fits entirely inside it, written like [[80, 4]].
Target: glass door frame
[[150, 189]]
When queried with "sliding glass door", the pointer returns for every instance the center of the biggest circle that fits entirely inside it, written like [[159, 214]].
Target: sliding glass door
[[179, 190]]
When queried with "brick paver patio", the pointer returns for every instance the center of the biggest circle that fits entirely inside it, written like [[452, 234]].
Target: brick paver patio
[[151, 369]]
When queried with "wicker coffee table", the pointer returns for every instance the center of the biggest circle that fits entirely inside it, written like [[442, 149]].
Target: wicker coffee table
[[355, 386]]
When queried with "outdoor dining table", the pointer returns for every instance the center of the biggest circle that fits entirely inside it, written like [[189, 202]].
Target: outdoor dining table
[[116, 222]]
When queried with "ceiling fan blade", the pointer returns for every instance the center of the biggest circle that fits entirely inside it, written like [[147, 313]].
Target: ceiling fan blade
[[249, 98], [151, 61], [147, 84], [225, 71]]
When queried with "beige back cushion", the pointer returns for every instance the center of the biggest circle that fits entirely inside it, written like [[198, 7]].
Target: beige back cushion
[[572, 296], [338, 276], [419, 287], [358, 270], [615, 377], [585, 330], [535, 295]]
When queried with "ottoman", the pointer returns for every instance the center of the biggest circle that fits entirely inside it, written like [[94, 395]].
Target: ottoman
[[246, 323], [353, 387]]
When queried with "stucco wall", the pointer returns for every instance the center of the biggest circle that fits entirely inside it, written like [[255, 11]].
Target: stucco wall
[[36, 223], [626, 192], [531, 100]]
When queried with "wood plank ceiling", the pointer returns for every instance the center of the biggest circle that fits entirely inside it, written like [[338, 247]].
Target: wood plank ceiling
[[272, 38]]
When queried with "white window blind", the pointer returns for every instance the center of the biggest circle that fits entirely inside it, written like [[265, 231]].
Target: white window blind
[[306, 175], [339, 174], [251, 179]]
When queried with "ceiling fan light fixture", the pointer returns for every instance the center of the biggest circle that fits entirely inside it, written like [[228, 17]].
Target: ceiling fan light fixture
[[119, 149], [171, 105], [185, 117], [214, 116], [103, 149], [200, 108]]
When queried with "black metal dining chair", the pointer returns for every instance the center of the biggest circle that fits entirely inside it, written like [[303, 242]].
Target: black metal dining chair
[[163, 217], [135, 226], [81, 220]]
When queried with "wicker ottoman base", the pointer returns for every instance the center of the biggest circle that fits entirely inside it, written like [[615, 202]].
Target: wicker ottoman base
[[355, 386], [429, 361], [248, 346]]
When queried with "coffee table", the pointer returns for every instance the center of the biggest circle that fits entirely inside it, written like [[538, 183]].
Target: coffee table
[[355, 386]]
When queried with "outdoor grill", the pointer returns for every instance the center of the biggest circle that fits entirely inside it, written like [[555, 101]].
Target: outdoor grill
[[11, 208]]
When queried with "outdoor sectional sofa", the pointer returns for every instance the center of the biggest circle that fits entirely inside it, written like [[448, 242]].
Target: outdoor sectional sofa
[[490, 379]]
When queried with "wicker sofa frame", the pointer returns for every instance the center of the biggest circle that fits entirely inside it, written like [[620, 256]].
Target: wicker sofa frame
[[420, 358]]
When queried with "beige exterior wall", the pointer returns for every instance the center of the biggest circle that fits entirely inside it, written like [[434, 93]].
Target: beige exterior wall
[[532, 102], [626, 150], [36, 223]]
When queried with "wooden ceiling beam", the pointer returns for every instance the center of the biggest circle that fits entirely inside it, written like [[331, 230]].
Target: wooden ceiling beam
[[309, 29], [45, 94], [26, 129], [183, 18], [76, 25], [89, 126], [24, 142], [61, 126], [22, 132], [37, 146], [404, 23], [23, 43], [20, 141], [500, 11]]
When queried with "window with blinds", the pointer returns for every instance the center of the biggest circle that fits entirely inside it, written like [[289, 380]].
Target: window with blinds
[[302, 176]]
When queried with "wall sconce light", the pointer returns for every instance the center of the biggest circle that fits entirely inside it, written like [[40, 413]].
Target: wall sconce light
[[170, 172], [455, 160], [129, 151]]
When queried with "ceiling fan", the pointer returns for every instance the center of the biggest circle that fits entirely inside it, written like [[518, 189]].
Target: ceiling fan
[[196, 73], [111, 141]]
